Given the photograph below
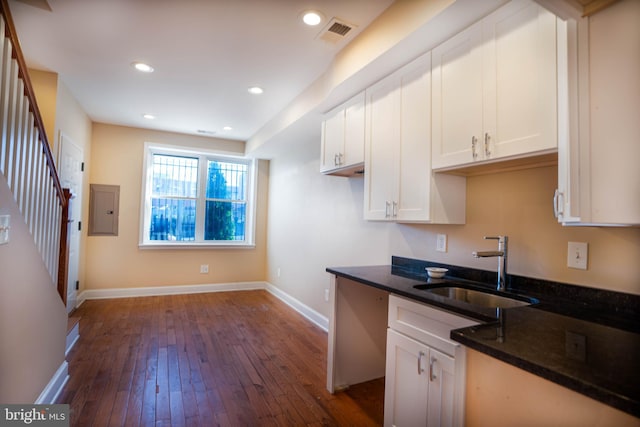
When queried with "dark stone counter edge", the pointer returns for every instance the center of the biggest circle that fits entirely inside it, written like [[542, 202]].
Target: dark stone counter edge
[[588, 389], [600, 394]]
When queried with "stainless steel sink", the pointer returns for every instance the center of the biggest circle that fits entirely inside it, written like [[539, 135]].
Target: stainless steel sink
[[478, 298]]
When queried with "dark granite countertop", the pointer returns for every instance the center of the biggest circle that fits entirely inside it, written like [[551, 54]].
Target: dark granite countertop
[[587, 340]]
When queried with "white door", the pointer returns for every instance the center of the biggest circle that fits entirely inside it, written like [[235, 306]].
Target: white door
[[70, 171]]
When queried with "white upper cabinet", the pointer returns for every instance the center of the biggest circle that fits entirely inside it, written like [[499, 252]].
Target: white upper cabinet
[[494, 89], [399, 183], [598, 173], [343, 138]]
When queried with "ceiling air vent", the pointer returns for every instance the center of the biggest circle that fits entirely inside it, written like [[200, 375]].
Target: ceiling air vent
[[335, 31]]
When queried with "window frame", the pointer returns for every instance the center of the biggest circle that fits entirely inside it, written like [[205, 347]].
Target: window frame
[[203, 156]]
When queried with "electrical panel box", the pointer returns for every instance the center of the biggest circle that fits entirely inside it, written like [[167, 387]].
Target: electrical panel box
[[103, 210]]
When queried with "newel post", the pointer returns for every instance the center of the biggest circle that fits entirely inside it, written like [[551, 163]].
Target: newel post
[[64, 246]]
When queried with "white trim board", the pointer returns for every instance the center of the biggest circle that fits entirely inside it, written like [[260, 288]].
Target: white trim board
[[72, 338], [318, 319], [53, 389]]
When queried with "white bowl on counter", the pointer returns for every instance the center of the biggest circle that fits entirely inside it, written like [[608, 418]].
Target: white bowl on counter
[[436, 272]]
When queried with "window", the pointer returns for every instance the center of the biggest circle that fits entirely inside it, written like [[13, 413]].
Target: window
[[193, 198]]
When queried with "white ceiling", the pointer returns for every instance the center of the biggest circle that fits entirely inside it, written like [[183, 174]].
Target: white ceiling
[[206, 54]]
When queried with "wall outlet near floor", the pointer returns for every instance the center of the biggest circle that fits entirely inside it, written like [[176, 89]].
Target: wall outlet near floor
[[326, 295], [441, 243], [204, 268], [577, 255]]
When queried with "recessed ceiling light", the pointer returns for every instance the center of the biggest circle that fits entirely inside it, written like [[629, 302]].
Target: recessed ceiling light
[[227, 128], [255, 90], [141, 66], [149, 116], [312, 18]]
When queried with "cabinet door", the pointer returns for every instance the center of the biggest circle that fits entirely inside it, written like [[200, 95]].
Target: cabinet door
[[354, 119], [419, 384], [441, 389], [406, 381], [519, 81], [457, 99], [382, 135], [333, 133], [415, 141]]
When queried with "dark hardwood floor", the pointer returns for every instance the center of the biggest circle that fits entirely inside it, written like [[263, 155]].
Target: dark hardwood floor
[[228, 358]]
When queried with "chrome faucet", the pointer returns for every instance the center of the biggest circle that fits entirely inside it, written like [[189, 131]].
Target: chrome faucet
[[501, 253]]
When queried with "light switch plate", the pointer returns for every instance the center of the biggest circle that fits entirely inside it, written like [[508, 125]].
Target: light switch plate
[[441, 243], [577, 255]]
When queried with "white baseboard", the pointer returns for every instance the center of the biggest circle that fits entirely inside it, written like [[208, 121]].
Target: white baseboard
[[321, 321], [72, 338], [53, 389], [315, 317], [167, 290]]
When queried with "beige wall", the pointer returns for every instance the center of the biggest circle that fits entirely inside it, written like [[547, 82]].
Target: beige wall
[[518, 204], [327, 229], [45, 86], [73, 122], [62, 114], [33, 320], [117, 262], [315, 221], [501, 395]]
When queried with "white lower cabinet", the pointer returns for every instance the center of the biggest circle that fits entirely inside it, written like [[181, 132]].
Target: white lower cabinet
[[419, 385], [425, 370]]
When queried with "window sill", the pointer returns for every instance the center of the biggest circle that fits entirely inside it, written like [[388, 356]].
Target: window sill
[[191, 245]]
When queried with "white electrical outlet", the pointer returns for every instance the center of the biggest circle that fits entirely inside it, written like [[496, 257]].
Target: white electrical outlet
[[326, 295], [204, 268], [278, 272], [577, 255], [441, 243]]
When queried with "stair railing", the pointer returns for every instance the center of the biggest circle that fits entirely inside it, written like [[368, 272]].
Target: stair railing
[[26, 161]]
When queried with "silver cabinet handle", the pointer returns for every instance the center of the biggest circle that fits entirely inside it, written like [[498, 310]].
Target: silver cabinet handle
[[487, 138], [394, 211], [558, 202], [420, 367], [387, 206], [336, 160], [432, 374], [474, 142]]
